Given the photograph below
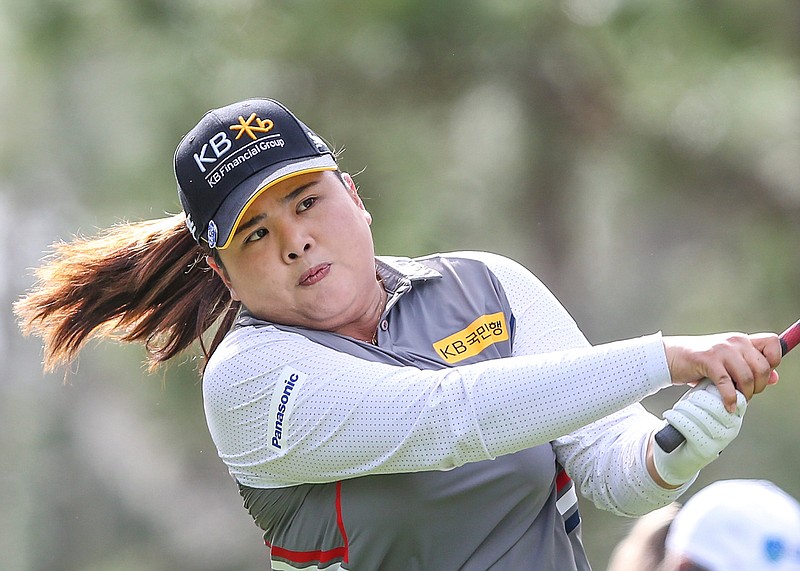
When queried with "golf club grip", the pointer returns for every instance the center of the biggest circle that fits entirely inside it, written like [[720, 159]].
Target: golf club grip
[[668, 438]]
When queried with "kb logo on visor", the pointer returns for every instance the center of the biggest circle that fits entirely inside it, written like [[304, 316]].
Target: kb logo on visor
[[262, 126], [220, 143]]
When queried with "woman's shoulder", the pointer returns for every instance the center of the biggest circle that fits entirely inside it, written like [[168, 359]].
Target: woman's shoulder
[[242, 344], [504, 268]]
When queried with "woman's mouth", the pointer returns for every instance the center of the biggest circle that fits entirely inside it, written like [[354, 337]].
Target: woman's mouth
[[314, 275]]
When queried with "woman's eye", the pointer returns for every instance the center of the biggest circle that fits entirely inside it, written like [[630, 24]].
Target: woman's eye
[[257, 235], [306, 203]]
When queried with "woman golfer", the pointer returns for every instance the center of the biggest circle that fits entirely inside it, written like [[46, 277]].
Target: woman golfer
[[386, 413]]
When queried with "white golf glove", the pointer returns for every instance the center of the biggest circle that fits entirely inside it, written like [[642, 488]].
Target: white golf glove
[[701, 417]]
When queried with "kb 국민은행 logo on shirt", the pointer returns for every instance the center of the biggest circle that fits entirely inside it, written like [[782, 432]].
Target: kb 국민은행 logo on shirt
[[474, 338]]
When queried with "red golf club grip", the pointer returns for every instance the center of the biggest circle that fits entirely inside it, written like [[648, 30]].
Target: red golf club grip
[[668, 438]]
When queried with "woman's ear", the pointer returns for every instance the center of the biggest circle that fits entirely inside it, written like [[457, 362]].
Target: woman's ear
[[223, 275], [352, 189], [349, 182]]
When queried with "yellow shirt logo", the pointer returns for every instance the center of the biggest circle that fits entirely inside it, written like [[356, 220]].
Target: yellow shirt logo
[[474, 338]]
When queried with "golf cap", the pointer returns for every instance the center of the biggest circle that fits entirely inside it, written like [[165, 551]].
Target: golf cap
[[234, 154], [731, 525]]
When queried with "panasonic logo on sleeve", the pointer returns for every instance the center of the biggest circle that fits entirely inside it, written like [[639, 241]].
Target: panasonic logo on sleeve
[[280, 408]]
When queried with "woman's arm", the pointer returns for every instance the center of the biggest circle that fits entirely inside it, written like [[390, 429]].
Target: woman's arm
[[284, 410], [608, 458]]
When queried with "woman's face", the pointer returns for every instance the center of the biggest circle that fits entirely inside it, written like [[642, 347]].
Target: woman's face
[[303, 254]]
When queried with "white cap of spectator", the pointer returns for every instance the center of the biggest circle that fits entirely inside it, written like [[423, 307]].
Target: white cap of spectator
[[748, 525]]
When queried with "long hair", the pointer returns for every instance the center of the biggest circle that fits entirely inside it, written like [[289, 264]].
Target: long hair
[[144, 282]]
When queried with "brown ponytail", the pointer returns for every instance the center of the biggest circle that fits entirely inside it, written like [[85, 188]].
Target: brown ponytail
[[143, 282]]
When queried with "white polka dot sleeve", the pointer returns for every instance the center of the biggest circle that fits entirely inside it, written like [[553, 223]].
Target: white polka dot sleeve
[[606, 458], [283, 410]]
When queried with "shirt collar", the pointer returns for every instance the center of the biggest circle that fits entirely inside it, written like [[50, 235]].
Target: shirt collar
[[398, 275], [397, 272]]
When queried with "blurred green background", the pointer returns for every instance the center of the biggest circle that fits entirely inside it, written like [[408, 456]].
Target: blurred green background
[[642, 158]]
